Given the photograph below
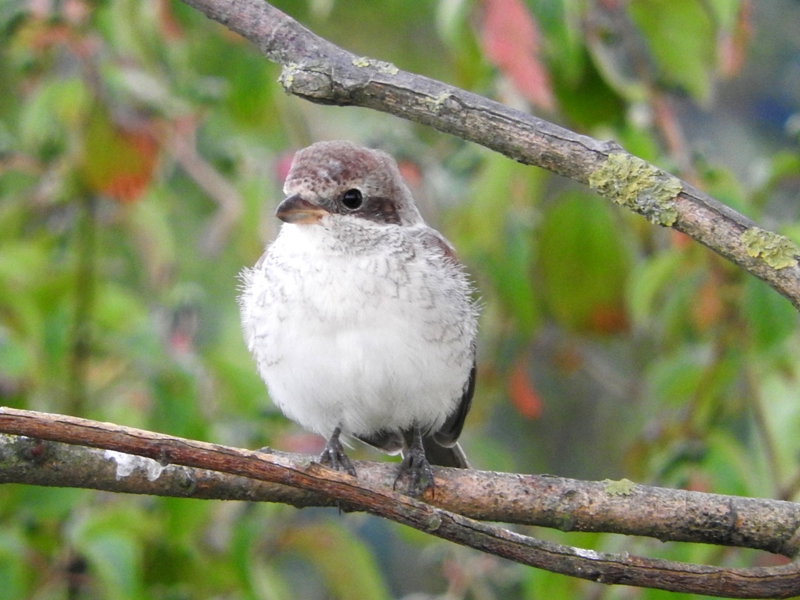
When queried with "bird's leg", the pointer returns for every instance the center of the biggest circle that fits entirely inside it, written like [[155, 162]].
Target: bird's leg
[[415, 464], [333, 455]]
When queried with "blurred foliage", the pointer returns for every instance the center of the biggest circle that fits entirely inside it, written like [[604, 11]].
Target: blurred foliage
[[142, 151]]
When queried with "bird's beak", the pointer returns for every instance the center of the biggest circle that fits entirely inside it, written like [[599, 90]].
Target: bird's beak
[[295, 209]]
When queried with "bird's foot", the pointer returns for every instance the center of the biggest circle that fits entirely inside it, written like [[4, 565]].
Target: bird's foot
[[416, 468], [333, 455]]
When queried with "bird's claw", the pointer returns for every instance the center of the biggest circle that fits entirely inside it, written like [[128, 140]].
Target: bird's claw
[[333, 457], [416, 467]]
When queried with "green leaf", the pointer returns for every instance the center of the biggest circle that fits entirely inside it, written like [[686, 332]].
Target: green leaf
[[15, 358], [726, 12], [783, 165], [177, 409], [722, 183], [116, 558], [112, 538], [672, 379], [729, 464], [682, 39], [118, 310], [648, 282], [149, 227], [511, 277], [782, 419], [584, 264], [606, 106], [247, 101], [494, 230], [770, 317], [21, 263], [562, 29], [451, 16], [14, 571], [479, 226], [55, 109], [259, 575], [344, 561]]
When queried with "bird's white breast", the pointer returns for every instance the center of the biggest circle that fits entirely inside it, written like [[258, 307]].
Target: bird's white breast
[[371, 335]]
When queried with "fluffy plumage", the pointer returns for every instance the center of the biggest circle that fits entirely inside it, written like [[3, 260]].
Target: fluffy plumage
[[359, 316]]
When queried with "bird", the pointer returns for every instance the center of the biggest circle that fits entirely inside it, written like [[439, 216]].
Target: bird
[[361, 320]]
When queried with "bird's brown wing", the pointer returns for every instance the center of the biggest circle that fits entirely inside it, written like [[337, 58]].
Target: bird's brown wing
[[448, 433]]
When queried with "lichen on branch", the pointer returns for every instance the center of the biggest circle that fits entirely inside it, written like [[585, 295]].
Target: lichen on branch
[[638, 185]]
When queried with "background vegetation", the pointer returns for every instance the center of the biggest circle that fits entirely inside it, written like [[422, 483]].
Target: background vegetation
[[142, 152]]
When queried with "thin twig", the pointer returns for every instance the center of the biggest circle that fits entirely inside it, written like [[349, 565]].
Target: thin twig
[[81, 338], [212, 182]]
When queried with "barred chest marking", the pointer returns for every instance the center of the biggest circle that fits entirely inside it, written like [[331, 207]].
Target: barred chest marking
[[382, 315]]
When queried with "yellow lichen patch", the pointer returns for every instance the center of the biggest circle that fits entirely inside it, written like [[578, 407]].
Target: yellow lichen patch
[[382, 66], [286, 78], [623, 487], [640, 186], [776, 250]]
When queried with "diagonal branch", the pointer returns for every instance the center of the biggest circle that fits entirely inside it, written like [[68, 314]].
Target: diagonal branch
[[541, 500], [213, 183], [321, 72], [761, 582]]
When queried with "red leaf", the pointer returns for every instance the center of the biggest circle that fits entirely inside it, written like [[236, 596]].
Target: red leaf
[[283, 165], [170, 28], [605, 319], [679, 240], [410, 172], [511, 41], [118, 161], [130, 181], [732, 45], [523, 395], [708, 308]]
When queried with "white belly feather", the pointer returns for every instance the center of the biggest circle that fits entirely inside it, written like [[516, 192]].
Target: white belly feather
[[364, 341]]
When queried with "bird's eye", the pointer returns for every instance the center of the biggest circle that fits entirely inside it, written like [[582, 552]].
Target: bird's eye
[[352, 199]]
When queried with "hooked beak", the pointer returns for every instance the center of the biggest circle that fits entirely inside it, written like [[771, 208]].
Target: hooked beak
[[298, 211]]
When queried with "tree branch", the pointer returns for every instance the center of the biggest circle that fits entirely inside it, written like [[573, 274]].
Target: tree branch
[[379, 499], [321, 72], [540, 500]]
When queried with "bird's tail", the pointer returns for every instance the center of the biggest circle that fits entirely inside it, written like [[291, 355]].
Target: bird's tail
[[444, 456]]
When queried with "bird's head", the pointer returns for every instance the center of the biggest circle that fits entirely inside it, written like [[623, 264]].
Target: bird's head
[[343, 180]]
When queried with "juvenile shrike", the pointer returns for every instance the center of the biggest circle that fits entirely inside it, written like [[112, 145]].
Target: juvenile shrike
[[360, 317]]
